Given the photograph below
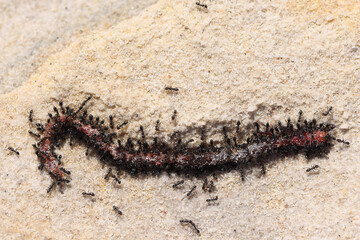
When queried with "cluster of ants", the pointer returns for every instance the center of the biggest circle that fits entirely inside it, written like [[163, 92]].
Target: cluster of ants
[[142, 146]]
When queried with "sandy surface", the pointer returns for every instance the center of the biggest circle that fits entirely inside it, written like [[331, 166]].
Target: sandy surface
[[249, 61], [31, 31]]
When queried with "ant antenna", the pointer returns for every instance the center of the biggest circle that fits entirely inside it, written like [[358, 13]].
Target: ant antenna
[[82, 105]]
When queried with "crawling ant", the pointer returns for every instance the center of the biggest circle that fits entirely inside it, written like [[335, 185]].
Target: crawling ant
[[201, 4], [343, 141], [211, 186], [263, 168], [116, 179], [81, 106], [65, 171], [116, 209], [13, 150], [61, 104], [50, 187], [212, 199], [142, 131], [40, 127], [205, 183], [57, 111], [227, 140], [328, 111], [88, 194], [191, 191], [172, 89], [87, 150], [178, 183], [312, 168], [242, 174], [31, 116], [121, 125], [108, 174], [34, 134], [214, 176], [157, 125], [187, 221], [111, 121], [237, 127], [187, 143], [208, 186], [174, 115]]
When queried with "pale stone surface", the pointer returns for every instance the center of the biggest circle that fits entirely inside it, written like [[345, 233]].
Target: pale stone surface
[[33, 30], [248, 60]]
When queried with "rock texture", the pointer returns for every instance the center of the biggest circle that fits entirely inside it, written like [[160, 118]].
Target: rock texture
[[31, 31], [249, 61]]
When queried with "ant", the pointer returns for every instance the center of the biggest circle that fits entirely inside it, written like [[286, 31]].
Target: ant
[[50, 187], [191, 191], [108, 173], [178, 183], [172, 89], [187, 221], [31, 116], [205, 184], [212, 199], [312, 168], [201, 4], [88, 194], [174, 115], [157, 125], [13, 150], [116, 179], [121, 125], [208, 186], [111, 121], [117, 210], [64, 170], [328, 111]]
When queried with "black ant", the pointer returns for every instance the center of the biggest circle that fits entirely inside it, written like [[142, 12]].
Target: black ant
[[201, 4], [174, 115], [142, 131], [81, 106], [50, 187], [191, 191], [108, 174], [300, 114], [328, 111], [211, 186], [116, 179], [312, 168], [34, 134], [88, 194], [31, 115], [157, 125], [187, 221], [205, 184], [13, 150], [178, 183], [237, 127], [227, 140], [121, 125], [111, 121], [343, 141], [117, 210], [172, 89], [65, 171], [212, 199]]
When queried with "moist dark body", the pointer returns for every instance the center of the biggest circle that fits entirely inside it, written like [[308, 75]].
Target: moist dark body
[[140, 156]]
